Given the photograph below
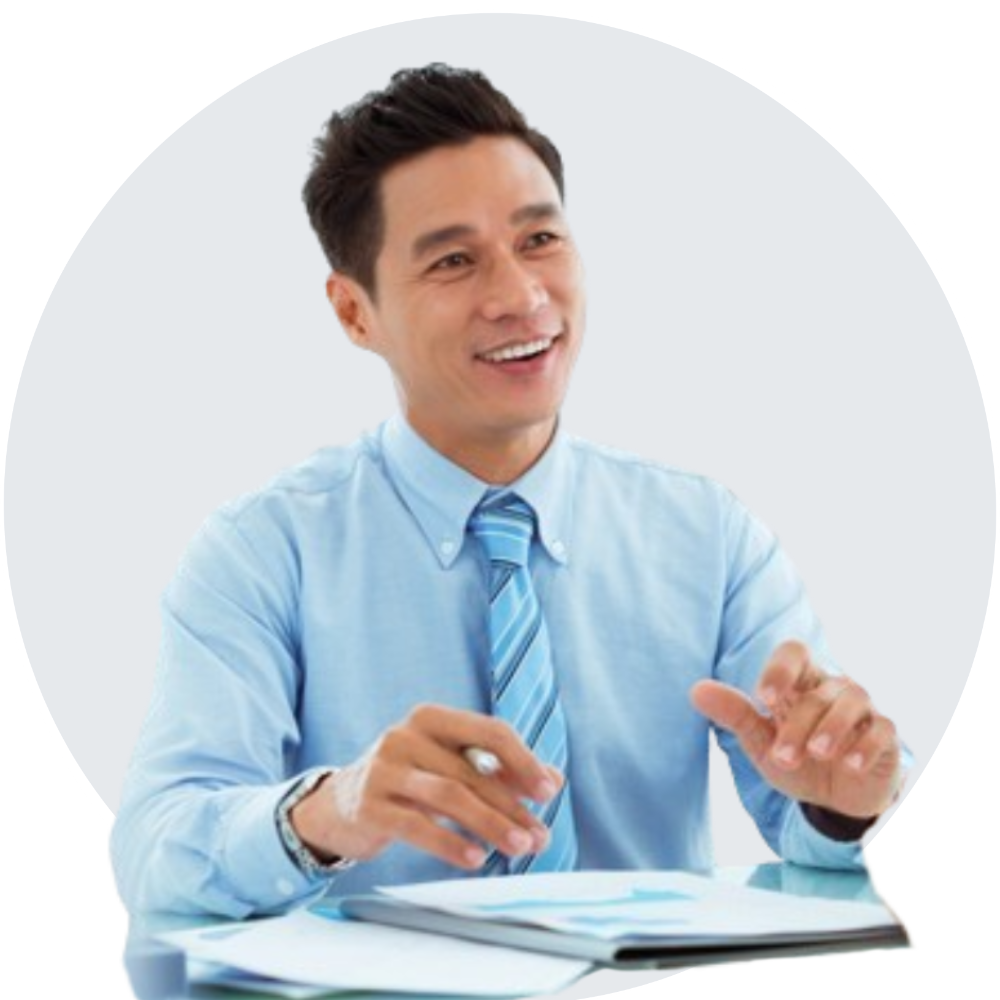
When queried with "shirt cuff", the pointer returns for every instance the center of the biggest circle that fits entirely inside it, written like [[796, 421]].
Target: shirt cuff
[[255, 859], [804, 844], [836, 825]]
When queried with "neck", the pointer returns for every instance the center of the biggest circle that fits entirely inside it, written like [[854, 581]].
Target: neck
[[498, 461]]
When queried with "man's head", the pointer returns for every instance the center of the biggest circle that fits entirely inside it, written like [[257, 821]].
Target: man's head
[[441, 212], [420, 110]]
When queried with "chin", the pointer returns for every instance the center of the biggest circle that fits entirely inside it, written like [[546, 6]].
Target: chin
[[525, 425]]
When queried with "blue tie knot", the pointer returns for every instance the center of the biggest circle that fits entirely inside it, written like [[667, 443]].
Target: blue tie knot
[[504, 526]]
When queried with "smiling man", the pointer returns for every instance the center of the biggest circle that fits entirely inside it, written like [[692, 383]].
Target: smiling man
[[470, 643], [476, 303]]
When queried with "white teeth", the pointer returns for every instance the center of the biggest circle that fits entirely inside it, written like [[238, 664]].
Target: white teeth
[[519, 350]]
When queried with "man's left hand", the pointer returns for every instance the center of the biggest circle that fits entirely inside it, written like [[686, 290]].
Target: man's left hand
[[819, 739]]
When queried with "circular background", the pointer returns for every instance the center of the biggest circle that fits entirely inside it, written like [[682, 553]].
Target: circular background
[[756, 314]]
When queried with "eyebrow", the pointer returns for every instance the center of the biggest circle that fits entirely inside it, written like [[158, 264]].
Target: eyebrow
[[437, 237]]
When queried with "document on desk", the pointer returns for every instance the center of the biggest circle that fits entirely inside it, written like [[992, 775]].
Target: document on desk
[[321, 949], [228, 978], [633, 919]]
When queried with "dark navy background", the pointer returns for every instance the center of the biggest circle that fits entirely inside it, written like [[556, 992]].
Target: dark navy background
[[758, 314]]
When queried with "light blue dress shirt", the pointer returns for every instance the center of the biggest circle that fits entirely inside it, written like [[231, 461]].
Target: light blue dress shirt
[[307, 618]]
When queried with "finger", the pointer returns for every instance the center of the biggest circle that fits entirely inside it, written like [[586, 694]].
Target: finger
[[788, 674], [482, 805], [849, 717], [455, 801], [876, 752], [733, 711], [496, 791], [556, 776], [803, 723], [414, 826], [456, 729]]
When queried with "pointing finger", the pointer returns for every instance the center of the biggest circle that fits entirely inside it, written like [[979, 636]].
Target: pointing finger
[[732, 710]]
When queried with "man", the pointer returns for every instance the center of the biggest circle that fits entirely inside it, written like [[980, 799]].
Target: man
[[343, 650]]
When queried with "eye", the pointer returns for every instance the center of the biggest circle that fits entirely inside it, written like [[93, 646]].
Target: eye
[[537, 241], [451, 262]]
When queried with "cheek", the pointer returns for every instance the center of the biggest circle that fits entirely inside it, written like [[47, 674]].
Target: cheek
[[432, 303], [565, 283], [436, 353]]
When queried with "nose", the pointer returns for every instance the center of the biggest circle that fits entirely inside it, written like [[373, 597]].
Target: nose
[[513, 290]]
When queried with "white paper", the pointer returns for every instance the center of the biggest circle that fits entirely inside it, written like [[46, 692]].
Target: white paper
[[610, 905], [225, 976], [306, 948]]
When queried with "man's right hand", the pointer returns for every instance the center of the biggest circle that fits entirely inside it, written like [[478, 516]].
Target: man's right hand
[[414, 785]]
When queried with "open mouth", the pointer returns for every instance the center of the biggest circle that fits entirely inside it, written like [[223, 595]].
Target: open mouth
[[519, 352]]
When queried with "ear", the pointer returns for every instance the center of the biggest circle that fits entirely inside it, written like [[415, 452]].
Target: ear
[[353, 308]]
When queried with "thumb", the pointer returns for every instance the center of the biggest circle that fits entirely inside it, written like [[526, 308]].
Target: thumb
[[732, 710]]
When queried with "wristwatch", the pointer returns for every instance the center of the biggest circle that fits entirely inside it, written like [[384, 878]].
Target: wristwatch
[[304, 859]]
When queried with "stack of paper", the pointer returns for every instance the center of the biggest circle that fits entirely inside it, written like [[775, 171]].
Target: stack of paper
[[321, 950]]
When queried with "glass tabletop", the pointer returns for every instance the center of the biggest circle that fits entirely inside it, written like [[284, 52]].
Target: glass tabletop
[[159, 972]]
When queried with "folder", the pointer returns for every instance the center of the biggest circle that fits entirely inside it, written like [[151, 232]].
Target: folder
[[632, 920]]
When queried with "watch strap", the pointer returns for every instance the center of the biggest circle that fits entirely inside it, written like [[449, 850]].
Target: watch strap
[[304, 859]]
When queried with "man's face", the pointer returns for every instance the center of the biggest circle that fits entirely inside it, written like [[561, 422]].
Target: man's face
[[479, 288]]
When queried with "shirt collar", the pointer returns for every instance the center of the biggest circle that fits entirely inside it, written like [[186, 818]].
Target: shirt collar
[[441, 495]]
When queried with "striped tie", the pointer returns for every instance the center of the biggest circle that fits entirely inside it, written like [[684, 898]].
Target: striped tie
[[524, 684]]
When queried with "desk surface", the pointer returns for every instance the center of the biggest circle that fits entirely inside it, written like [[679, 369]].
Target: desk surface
[[777, 877]]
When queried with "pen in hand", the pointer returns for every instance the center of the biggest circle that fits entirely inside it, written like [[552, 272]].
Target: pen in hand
[[482, 761], [487, 764]]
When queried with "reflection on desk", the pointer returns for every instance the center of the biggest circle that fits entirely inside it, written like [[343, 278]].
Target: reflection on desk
[[783, 878]]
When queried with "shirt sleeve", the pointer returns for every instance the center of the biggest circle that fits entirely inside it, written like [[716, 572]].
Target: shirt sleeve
[[764, 605], [196, 830]]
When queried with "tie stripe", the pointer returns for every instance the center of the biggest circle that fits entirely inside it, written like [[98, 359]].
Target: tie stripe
[[524, 691]]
